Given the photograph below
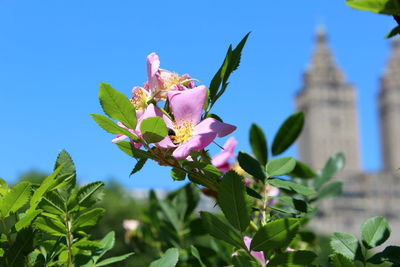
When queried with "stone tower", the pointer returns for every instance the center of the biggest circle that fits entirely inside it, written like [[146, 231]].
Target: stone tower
[[389, 110], [330, 106]]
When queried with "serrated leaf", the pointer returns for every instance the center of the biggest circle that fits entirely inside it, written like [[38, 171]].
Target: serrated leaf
[[53, 203], [26, 220], [15, 199], [130, 150], [298, 188], [347, 245], [53, 227], [114, 259], [251, 165], [220, 230], [111, 127], [64, 159], [280, 166], [375, 231], [388, 7], [177, 174], [333, 165], [275, 235], [90, 194], [87, 219], [138, 166], [117, 106], [169, 259], [299, 258], [153, 129], [258, 143], [288, 133], [232, 199], [338, 260]]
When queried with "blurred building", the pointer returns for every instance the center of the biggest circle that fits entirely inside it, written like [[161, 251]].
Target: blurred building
[[329, 102]]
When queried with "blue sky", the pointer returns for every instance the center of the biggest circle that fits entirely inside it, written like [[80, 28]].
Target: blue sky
[[54, 54]]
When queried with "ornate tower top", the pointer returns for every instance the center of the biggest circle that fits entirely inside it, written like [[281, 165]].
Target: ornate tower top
[[322, 69], [330, 106]]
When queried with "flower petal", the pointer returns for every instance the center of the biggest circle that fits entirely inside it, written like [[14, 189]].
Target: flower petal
[[188, 105], [153, 65], [197, 142], [213, 125]]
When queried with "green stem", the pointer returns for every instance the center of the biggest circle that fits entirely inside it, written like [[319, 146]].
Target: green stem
[[69, 237]]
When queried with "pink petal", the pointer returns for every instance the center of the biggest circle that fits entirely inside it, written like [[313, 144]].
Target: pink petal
[[259, 255], [197, 142], [215, 126], [188, 105], [221, 160], [153, 65], [119, 137]]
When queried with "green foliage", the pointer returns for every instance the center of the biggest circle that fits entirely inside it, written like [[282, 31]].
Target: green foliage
[[389, 254], [298, 188], [275, 235], [258, 143], [347, 245], [339, 260], [375, 231], [233, 201], [109, 126], [293, 259], [117, 106], [280, 166], [169, 259], [153, 129], [388, 7], [288, 133], [333, 165], [251, 165]]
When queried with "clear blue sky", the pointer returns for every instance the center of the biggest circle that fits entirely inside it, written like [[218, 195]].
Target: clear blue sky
[[53, 54]]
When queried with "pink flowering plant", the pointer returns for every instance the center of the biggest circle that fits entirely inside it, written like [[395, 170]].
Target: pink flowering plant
[[265, 202]]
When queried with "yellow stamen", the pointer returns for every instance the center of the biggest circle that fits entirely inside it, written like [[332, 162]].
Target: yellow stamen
[[139, 99], [173, 80], [183, 132]]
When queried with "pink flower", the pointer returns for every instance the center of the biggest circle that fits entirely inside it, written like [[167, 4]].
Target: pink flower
[[130, 225], [188, 132], [160, 81], [272, 192], [259, 255], [221, 160]]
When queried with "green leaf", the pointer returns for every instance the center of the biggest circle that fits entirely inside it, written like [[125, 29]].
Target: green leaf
[[302, 171], [251, 165], [138, 166], [330, 190], [297, 204], [196, 254], [177, 174], [64, 159], [106, 243], [338, 260], [258, 143], [170, 214], [87, 219], [45, 186], [130, 150], [169, 259], [242, 259], [299, 258], [26, 220], [53, 203], [275, 235], [15, 199], [153, 129], [89, 194], [221, 230], [232, 199], [1, 252], [20, 248], [395, 31], [114, 259], [109, 126], [347, 245], [117, 106], [390, 254], [85, 244], [298, 188], [3, 187], [288, 133], [388, 7], [375, 231], [333, 165], [280, 166], [53, 227]]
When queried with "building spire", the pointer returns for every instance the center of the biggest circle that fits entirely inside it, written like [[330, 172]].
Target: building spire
[[323, 69], [391, 77]]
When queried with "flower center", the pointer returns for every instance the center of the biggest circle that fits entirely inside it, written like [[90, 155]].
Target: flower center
[[139, 99], [182, 132], [171, 81]]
